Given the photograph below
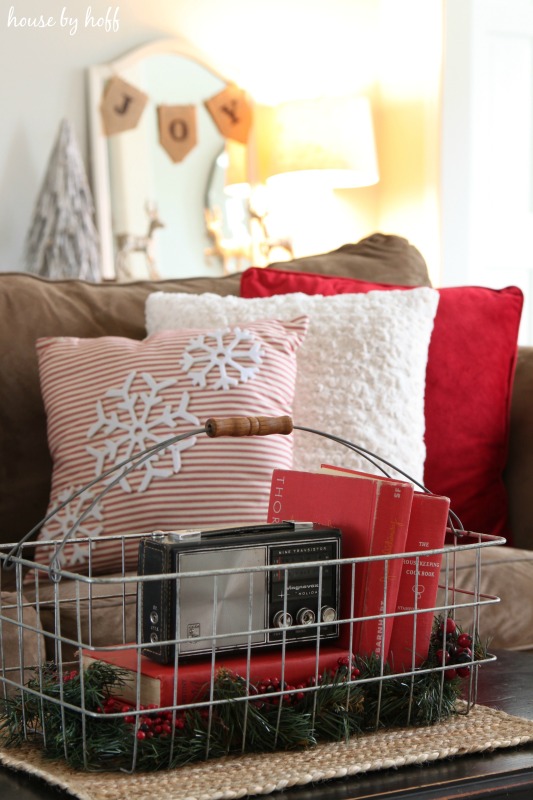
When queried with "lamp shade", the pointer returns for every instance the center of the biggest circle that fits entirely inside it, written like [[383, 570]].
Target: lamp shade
[[330, 139]]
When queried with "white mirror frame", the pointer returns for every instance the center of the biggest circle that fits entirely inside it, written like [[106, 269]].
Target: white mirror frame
[[98, 75]]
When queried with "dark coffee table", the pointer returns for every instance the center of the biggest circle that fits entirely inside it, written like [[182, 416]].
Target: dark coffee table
[[506, 684]]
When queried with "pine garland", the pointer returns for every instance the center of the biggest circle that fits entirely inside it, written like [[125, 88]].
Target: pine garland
[[77, 717]]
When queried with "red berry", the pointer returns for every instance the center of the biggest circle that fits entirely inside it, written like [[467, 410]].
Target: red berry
[[463, 672], [450, 674], [443, 654], [449, 626], [464, 640], [141, 735]]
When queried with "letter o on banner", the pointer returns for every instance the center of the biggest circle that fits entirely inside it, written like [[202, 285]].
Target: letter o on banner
[[177, 130]]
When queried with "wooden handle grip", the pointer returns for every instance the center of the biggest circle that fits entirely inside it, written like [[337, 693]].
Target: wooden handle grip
[[247, 426]]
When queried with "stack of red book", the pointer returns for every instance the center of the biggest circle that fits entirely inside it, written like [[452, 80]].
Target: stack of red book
[[381, 517]]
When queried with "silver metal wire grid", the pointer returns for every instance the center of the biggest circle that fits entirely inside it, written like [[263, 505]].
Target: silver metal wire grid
[[43, 620]]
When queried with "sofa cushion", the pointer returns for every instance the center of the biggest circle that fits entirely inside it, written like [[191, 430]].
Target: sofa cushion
[[379, 257], [22, 643], [108, 399], [505, 573], [469, 381], [518, 474], [31, 307], [361, 369]]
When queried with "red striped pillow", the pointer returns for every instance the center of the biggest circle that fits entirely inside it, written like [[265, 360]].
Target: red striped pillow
[[108, 398]]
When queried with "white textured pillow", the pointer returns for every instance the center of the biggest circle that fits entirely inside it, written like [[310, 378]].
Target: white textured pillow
[[361, 370]]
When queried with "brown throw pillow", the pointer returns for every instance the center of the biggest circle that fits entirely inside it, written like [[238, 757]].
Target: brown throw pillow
[[381, 258]]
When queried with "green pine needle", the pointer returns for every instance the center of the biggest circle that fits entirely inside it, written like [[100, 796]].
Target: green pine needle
[[67, 714]]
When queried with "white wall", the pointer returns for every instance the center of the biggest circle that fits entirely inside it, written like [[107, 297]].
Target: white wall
[[277, 49], [487, 161]]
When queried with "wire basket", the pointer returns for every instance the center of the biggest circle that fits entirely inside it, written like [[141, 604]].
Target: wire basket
[[102, 704]]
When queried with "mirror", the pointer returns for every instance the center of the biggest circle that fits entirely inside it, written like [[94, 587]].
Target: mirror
[[151, 212]]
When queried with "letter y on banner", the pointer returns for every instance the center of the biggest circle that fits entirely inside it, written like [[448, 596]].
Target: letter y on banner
[[232, 113]]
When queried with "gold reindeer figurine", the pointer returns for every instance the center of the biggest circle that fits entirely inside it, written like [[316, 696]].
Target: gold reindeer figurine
[[234, 253]]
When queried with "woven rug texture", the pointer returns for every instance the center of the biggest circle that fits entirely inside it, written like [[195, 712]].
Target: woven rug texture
[[483, 729]]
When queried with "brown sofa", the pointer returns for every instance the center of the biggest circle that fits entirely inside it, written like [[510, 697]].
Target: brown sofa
[[31, 307]]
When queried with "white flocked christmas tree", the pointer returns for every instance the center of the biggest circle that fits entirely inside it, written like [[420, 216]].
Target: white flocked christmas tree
[[62, 240]]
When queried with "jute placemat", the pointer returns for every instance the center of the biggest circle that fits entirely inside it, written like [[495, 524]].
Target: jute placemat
[[483, 729]]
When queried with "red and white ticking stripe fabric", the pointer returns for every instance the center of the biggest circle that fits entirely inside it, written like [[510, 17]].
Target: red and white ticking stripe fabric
[[109, 398]]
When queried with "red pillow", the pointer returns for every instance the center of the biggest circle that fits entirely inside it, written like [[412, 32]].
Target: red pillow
[[471, 362]]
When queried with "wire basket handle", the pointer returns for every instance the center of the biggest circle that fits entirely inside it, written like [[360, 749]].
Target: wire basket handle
[[214, 428]]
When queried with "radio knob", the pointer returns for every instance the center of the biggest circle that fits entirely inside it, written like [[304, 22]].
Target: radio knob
[[328, 614], [154, 637], [154, 617], [282, 619], [305, 616]]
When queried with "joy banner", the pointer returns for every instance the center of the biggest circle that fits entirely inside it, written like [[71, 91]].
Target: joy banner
[[123, 105]]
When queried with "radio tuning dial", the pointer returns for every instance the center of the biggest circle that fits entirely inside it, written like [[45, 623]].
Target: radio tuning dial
[[305, 616], [328, 614], [282, 619]]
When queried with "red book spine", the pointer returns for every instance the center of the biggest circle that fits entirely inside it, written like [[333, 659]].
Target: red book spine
[[373, 515], [159, 684], [419, 581]]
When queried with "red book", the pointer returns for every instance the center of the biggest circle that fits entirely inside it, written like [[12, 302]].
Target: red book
[[419, 581], [158, 684], [373, 515]]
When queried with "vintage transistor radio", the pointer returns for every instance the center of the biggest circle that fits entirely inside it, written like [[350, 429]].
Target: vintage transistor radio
[[268, 590]]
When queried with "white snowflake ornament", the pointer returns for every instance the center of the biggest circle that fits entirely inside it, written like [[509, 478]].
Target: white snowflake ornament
[[61, 525], [208, 352], [131, 427]]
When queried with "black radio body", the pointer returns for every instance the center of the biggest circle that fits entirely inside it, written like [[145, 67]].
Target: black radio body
[[258, 591]]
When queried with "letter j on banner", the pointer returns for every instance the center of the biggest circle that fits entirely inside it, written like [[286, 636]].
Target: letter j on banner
[[121, 107], [177, 130]]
